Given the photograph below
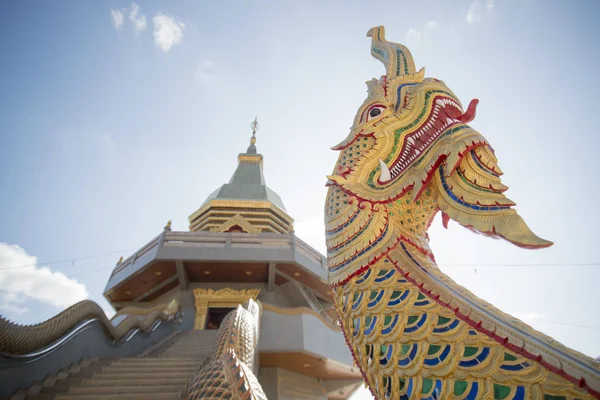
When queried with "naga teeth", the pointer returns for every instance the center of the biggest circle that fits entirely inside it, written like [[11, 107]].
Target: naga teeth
[[439, 102], [449, 121], [385, 171], [411, 140]]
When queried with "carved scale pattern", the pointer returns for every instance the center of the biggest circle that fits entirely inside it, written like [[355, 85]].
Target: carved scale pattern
[[415, 333], [228, 374]]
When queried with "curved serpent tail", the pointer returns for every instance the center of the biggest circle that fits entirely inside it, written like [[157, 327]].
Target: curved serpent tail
[[408, 345], [23, 339], [228, 374]]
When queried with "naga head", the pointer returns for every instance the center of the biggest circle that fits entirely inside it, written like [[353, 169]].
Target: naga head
[[414, 121], [411, 136]]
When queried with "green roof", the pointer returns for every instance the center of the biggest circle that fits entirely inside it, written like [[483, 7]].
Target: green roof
[[247, 183]]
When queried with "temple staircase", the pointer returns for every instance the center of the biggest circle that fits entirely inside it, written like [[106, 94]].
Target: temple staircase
[[160, 373]]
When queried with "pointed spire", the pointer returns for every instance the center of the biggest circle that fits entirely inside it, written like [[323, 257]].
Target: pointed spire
[[254, 126]]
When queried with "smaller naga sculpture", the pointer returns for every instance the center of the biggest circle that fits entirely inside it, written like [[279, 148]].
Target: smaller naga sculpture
[[25, 339], [228, 374], [415, 333]]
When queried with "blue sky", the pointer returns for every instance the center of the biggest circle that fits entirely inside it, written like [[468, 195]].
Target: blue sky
[[110, 128]]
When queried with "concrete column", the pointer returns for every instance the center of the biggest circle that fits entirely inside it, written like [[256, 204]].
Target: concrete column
[[272, 271], [184, 280]]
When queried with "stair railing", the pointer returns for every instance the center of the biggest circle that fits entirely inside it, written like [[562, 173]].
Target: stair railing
[[313, 301]]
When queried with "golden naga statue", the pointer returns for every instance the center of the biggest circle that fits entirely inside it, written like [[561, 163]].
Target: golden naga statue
[[415, 333], [228, 374]]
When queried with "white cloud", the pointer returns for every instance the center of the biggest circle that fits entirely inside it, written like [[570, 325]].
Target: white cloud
[[431, 25], [167, 31], [139, 21], [117, 18], [205, 72], [22, 280], [474, 14], [8, 308], [412, 37]]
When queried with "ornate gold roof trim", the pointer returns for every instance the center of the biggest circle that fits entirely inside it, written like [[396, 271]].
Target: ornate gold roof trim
[[241, 203], [238, 220], [227, 296], [250, 158]]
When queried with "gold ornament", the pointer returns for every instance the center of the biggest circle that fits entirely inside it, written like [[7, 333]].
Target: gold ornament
[[413, 331]]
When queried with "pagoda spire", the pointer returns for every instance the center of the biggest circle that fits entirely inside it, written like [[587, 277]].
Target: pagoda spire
[[246, 197], [254, 126]]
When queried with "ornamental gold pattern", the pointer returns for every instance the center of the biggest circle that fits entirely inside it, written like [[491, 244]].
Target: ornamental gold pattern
[[414, 332], [18, 339]]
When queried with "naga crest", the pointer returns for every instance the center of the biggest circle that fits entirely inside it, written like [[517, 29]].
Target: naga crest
[[417, 122], [411, 144]]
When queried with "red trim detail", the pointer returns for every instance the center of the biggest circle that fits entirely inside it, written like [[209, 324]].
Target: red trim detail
[[462, 171], [391, 199], [368, 110], [464, 152], [524, 245], [430, 173], [469, 115], [487, 166], [437, 123], [331, 249], [445, 219], [503, 341], [384, 254], [352, 216]]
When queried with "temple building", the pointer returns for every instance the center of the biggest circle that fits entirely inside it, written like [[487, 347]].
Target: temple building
[[240, 246]]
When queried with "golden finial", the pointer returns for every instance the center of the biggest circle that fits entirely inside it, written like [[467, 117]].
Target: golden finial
[[254, 126], [168, 226], [120, 260]]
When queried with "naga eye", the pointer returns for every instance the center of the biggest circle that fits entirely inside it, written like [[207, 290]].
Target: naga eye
[[375, 112]]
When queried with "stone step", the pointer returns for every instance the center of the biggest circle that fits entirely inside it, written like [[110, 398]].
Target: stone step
[[150, 368], [192, 351], [123, 389], [144, 375], [189, 357], [186, 355], [193, 348], [159, 362], [145, 382], [72, 386], [139, 396], [162, 375]]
